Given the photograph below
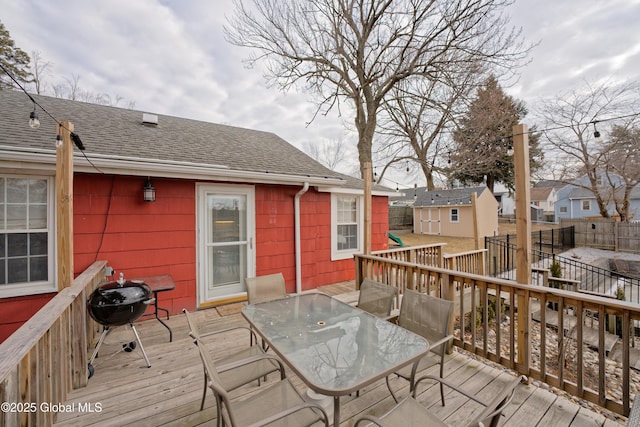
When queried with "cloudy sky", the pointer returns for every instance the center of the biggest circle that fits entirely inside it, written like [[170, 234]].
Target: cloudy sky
[[170, 57]]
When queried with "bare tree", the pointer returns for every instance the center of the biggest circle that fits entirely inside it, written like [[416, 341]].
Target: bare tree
[[40, 69], [419, 118], [360, 50], [622, 163], [329, 153], [573, 118]]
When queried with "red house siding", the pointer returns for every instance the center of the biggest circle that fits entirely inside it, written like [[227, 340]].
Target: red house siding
[[112, 222]]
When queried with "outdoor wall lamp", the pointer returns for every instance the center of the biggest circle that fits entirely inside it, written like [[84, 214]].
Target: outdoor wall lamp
[[149, 191]]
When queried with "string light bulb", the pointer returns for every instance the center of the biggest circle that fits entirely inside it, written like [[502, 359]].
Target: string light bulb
[[596, 134], [58, 141], [34, 120]]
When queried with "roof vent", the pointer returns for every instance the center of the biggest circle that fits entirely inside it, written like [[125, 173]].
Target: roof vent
[[149, 119]]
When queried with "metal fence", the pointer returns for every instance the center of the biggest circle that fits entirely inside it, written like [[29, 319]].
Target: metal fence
[[599, 279]]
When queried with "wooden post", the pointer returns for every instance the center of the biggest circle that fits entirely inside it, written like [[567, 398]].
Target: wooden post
[[64, 205], [523, 237], [368, 178], [474, 210]]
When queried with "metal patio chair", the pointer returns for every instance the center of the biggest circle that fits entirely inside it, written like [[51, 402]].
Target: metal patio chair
[[265, 288], [429, 317], [377, 298], [277, 404], [410, 412], [240, 368]]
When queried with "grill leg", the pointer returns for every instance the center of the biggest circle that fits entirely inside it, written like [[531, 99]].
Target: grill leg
[[144, 353], [105, 331]]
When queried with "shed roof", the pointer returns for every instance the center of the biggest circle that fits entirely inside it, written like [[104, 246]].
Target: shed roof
[[456, 196]]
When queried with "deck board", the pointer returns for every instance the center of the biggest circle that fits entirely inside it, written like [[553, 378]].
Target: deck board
[[169, 392]]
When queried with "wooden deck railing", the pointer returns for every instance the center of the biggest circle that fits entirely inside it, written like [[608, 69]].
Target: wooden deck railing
[[425, 254], [47, 357], [469, 262], [573, 360]]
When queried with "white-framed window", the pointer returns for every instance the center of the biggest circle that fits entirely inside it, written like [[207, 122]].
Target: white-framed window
[[586, 205], [563, 209], [27, 237], [454, 215], [347, 219]]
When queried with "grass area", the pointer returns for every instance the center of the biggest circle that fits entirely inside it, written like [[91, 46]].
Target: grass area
[[455, 245]]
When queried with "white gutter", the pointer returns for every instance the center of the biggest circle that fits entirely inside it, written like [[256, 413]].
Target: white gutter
[[296, 231], [39, 159]]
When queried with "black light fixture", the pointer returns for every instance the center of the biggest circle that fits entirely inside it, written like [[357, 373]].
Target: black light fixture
[[149, 191]]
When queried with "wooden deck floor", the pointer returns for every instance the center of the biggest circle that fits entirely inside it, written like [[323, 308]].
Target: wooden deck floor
[[123, 391]]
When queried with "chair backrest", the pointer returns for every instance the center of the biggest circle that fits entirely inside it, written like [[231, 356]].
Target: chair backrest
[[376, 298], [426, 315], [265, 288], [211, 373], [490, 416]]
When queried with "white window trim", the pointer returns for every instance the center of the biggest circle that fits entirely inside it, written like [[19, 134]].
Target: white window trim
[[582, 202], [348, 253], [41, 287], [451, 215]]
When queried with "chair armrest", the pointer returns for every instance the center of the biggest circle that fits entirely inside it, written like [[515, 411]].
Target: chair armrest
[[441, 341], [372, 419], [220, 331], [291, 411], [448, 384], [253, 359]]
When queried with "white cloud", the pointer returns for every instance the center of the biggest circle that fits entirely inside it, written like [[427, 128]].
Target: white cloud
[[170, 57]]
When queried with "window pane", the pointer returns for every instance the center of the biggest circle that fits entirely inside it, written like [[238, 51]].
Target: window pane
[[3, 280], [37, 216], [16, 217], [2, 183], [37, 191], [17, 190], [38, 244], [17, 270], [17, 244], [38, 268], [347, 237]]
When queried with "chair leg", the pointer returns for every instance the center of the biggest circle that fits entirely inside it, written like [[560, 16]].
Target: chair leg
[[390, 391], [204, 392], [442, 376]]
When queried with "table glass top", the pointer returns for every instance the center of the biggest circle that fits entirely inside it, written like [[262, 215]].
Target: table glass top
[[334, 346]]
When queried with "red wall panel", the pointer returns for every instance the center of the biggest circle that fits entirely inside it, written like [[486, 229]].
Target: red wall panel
[[112, 222]]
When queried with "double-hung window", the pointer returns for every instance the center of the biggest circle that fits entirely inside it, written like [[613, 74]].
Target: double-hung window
[[26, 236], [346, 225]]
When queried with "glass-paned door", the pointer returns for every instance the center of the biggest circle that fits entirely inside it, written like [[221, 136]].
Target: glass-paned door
[[226, 230]]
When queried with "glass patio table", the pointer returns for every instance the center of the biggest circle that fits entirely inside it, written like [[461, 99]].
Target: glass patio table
[[334, 348]]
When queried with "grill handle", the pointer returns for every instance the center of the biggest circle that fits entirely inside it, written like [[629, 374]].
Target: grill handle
[[149, 301]]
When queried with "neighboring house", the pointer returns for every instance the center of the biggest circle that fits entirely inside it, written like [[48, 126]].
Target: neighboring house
[[451, 213], [230, 203], [545, 199], [506, 202], [575, 201]]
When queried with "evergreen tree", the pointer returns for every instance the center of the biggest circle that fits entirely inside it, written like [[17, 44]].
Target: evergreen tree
[[14, 60], [483, 139]]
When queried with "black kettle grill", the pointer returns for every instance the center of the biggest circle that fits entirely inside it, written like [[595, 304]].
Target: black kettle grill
[[118, 303]]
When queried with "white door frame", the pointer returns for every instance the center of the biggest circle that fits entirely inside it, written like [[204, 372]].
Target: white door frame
[[204, 267]]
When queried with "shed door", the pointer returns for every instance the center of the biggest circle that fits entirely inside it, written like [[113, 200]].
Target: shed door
[[225, 241], [430, 221]]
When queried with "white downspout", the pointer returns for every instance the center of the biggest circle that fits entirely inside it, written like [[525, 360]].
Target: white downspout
[[296, 231]]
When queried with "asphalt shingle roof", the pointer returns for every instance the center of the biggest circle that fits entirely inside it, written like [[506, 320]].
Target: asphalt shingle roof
[[456, 196], [118, 131]]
